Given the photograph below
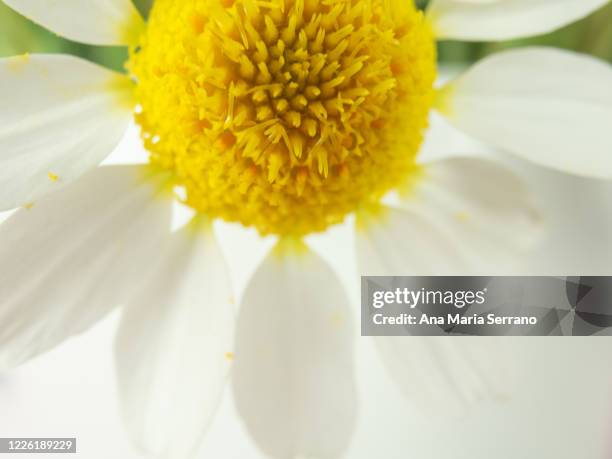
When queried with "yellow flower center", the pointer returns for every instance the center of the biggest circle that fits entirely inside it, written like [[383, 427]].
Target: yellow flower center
[[285, 115]]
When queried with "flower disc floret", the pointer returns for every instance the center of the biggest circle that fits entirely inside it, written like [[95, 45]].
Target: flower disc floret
[[284, 115]]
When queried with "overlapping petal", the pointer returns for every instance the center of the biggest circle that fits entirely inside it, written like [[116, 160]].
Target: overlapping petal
[[173, 346], [444, 375], [96, 22], [69, 260], [489, 20], [461, 216], [549, 106], [60, 117]]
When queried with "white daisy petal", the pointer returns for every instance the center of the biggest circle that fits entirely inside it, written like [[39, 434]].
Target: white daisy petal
[[444, 375], [401, 242], [462, 216], [67, 261], [488, 20], [60, 116], [96, 22], [173, 346], [293, 374], [481, 206], [549, 106]]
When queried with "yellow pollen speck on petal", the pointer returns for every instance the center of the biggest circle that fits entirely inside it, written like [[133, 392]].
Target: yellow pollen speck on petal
[[284, 115], [338, 319], [229, 356], [17, 63], [462, 216], [28, 205], [53, 177]]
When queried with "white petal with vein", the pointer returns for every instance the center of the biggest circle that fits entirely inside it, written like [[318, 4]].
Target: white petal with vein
[[97, 22], [445, 375], [463, 216], [70, 259], [60, 117], [173, 346], [549, 106], [293, 375], [488, 20]]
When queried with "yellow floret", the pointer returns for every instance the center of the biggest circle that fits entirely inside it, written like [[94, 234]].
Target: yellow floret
[[285, 115]]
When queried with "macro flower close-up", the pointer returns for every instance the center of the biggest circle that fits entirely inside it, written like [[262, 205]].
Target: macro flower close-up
[[285, 118]]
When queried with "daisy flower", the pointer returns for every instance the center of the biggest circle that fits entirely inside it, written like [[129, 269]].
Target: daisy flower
[[286, 116]]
